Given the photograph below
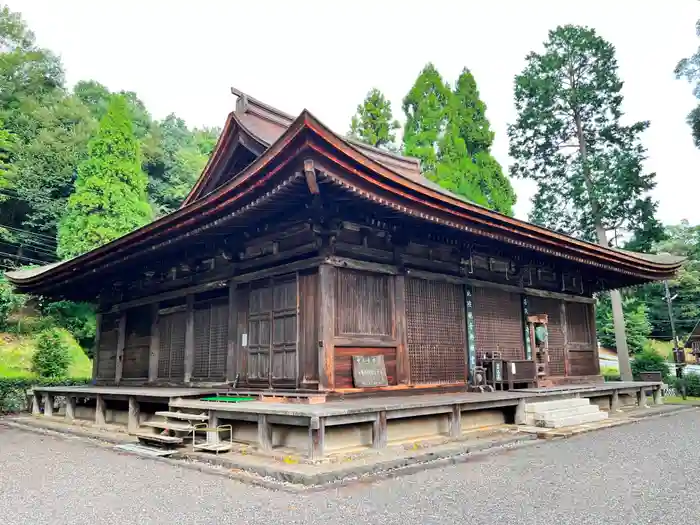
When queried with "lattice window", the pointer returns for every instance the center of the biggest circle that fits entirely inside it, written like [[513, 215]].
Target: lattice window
[[137, 344], [210, 340], [551, 307], [498, 321], [436, 331], [107, 350], [171, 358], [363, 304]]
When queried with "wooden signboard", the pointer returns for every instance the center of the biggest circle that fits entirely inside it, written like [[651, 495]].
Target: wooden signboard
[[369, 371]]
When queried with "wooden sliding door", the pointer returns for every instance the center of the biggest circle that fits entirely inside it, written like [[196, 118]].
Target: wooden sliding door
[[272, 332]]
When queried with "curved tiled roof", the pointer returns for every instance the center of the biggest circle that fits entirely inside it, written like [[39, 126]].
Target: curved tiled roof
[[397, 177]]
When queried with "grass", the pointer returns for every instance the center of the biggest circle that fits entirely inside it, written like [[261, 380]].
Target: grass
[[677, 400], [16, 351]]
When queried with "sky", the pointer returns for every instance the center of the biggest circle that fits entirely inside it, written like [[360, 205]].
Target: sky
[[183, 57]]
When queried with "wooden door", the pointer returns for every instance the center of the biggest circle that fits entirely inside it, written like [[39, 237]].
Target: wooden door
[[272, 332], [137, 344], [171, 357], [580, 323], [210, 340], [107, 350]]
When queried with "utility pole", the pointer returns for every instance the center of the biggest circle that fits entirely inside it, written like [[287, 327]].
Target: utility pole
[[678, 358]]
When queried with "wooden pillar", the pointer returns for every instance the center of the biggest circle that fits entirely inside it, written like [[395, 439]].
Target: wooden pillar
[[594, 338], [213, 435], [615, 402], [154, 351], [379, 431], [189, 339], [133, 422], [658, 396], [70, 408], [100, 410], [455, 420], [565, 334], [264, 433], [36, 403], [121, 343], [327, 307], [231, 368], [317, 438], [403, 366], [48, 404], [96, 346]]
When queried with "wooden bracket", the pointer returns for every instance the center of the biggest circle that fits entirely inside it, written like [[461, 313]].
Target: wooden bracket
[[310, 174]]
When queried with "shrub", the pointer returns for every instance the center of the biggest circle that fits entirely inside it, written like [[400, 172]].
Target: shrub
[[610, 373], [52, 356], [13, 390], [649, 361], [692, 384]]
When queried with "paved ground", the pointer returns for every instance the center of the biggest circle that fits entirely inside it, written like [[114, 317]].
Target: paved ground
[[648, 472]]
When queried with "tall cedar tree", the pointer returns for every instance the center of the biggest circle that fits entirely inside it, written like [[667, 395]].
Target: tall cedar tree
[[6, 144], [568, 138], [689, 68], [448, 131], [425, 109], [110, 191], [465, 164], [374, 122]]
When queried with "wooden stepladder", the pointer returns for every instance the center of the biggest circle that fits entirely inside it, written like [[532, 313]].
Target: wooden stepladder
[[538, 333]]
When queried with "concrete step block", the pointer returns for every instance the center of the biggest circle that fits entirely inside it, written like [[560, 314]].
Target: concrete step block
[[543, 406], [183, 415], [532, 418], [569, 421], [169, 425]]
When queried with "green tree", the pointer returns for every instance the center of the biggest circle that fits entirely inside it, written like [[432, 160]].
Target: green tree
[[6, 146], [374, 123], [637, 325], [569, 139], [465, 163], [26, 70], [448, 131], [110, 190], [45, 164], [689, 69], [425, 109], [175, 159], [682, 240]]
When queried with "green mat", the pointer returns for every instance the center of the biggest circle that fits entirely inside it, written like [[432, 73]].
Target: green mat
[[228, 399]]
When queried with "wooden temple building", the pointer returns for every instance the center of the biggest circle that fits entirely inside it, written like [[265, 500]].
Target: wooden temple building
[[300, 252]]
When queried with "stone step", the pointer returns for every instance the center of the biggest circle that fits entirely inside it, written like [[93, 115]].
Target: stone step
[[214, 447], [184, 416], [532, 418], [157, 438], [569, 421], [169, 425], [543, 406]]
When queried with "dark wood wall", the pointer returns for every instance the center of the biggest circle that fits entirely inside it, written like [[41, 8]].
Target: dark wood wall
[[290, 306]]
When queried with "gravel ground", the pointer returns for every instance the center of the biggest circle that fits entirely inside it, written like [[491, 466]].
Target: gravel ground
[[642, 473]]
